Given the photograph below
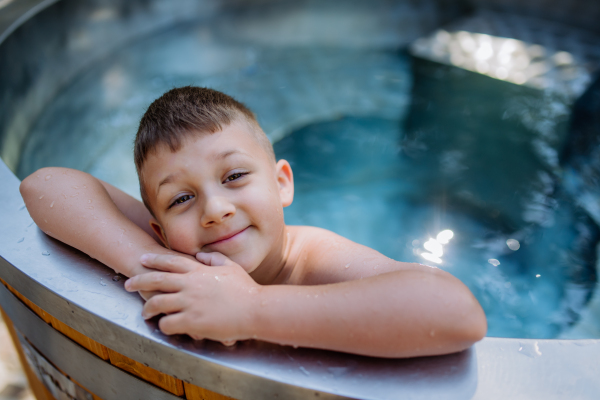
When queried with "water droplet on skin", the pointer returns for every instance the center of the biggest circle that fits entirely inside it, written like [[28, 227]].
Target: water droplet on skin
[[75, 195], [46, 253], [48, 177], [102, 282], [116, 278], [21, 240], [85, 187], [90, 207], [41, 197], [89, 201], [347, 266], [75, 187], [51, 204], [253, 290], [64, 195], [217, 278]]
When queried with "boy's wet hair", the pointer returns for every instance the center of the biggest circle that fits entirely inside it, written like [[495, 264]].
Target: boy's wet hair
[[189, 111]]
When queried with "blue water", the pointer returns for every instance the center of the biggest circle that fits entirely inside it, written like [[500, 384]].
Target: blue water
[[338, 112]]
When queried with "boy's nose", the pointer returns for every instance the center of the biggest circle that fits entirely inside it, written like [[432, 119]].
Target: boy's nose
[[217, 210]]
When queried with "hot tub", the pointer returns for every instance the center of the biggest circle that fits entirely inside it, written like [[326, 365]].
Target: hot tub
[[76, 78]]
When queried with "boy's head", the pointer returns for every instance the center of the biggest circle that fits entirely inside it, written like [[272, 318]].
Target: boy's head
[[208, 176], [189, 111]]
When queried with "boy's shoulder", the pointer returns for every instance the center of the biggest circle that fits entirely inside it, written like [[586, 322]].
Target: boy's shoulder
[[319, 256]]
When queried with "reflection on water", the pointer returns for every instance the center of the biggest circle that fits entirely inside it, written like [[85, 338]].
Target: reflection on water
[[495, 44]]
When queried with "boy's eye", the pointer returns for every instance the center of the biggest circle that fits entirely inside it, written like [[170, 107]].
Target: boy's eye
[[181, 200], [235, 176]]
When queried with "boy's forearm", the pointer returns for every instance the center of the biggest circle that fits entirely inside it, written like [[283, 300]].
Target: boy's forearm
[[75, 208], [398, 314]]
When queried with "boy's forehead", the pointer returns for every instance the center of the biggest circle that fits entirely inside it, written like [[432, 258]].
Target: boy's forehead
[[198, 147], [233, 138]]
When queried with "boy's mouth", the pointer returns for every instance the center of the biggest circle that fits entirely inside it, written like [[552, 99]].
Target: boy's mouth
[[227, 237]]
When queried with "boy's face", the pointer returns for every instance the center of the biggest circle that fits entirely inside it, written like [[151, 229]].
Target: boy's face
[[220, 192]]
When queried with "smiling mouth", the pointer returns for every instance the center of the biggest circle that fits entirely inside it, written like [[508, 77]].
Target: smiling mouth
[[227, 237]]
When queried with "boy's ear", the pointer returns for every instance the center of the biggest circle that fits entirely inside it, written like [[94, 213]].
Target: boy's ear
[[158, 230], [285, 179]]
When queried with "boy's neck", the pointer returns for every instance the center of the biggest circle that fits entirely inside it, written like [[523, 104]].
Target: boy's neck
[[277, 267]]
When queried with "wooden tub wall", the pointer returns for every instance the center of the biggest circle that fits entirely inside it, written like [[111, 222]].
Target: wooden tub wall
[[150, 375]]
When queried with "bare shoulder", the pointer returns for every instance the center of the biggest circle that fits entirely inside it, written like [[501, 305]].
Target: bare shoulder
[[326, 257]]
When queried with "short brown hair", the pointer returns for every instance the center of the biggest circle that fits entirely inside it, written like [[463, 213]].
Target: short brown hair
[[188, 111]]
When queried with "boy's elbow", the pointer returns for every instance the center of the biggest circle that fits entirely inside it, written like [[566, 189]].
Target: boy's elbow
[[474, 327], [32, 185], [479, 327]]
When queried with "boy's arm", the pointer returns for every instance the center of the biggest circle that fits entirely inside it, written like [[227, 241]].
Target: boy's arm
[[413, 311], [131, 207], [80, 210], [404, 313]]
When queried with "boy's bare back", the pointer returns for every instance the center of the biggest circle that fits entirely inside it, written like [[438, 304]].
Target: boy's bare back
[[230, 268]]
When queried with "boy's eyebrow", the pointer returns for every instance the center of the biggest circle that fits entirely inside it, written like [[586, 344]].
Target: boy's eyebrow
[[227, 153], [169, 178]]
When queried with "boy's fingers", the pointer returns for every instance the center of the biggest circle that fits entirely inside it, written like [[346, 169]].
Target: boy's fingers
[[147, 295], [155, 281], [162, 304], [167, 262], [173, 324], [214, 259]]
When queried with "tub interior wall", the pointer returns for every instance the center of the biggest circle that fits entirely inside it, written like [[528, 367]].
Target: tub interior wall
[[84, 33]]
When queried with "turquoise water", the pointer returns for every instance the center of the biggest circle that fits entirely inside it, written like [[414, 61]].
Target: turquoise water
[[340, 112]]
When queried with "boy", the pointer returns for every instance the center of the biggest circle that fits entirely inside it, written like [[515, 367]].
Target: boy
[[230, 268]]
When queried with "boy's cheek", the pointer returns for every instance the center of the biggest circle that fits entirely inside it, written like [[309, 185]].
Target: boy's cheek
[[183, 243]]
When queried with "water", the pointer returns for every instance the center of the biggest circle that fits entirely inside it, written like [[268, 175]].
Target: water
[[366, 164]]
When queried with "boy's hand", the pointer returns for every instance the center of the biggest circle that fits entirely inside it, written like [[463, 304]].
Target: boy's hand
[[199, 300]]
